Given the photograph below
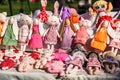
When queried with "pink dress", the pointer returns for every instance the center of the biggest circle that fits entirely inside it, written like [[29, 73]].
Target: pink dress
[[93, 62], [36, 40], [51, 36], [81, 36], [67, 38]]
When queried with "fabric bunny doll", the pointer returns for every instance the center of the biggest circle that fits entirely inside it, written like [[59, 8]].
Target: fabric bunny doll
[[35, 41], [51, 34], [93, 64], [115, 39], [10, 33], [3, 23], [24, 31], [110, 62]]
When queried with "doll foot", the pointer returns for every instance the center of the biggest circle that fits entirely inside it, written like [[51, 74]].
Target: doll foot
[[91, 72], [96, 72]]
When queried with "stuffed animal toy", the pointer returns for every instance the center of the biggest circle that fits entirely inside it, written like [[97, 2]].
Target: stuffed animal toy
[[10, 33], [3, 16], [115, 39], [36, 41], [66, 34], [109, 62], [44, 57], [93, 64], [28, 62], [83, 33], [43, 16], [24, 31], [51, 33], [74, 66], [55, 67]]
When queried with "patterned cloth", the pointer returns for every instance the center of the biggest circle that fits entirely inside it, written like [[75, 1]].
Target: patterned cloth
[[36, 39], [51, 36], [9, 37], [43, 15], [23, 35]]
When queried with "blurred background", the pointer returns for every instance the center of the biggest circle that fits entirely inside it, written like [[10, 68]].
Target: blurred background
[[13, 7]]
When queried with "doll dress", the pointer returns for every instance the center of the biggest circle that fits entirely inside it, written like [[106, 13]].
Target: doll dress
[[81, 36], [93, 62], [0, 31], [67, 38], [51, 36], [23, 35], [9, 38], [36, 39]]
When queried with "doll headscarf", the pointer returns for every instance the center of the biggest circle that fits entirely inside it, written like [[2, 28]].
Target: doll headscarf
[[64, 13]]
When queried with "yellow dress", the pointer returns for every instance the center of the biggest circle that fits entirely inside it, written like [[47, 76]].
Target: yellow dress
[[100, 38]]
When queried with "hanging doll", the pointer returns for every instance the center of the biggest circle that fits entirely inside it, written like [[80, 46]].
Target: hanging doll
[[35, 41], [24, 31], [43, 16], [93, 64], [103, 21], [114, 34], [109, 62], [51, 33], [2, 23], [66, 34], [10, 33]]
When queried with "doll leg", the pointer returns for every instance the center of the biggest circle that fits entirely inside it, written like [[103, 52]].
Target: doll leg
[[107, 68], [96, 71], [112, 49], [75, 70], [48, 46], [116, 50], [52, 48], [24, 47], [90, 70], [113, 68]]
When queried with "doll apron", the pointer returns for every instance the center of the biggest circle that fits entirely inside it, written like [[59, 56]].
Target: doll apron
[[9, 38], [100, 38]]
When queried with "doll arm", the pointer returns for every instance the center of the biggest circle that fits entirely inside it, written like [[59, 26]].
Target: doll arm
[[58, 34], [116, 15], [108, 40], [4, 28], [45, 32], [15, 28]]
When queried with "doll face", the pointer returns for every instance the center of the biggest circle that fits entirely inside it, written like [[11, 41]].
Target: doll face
[[101, 7], [92, 55]]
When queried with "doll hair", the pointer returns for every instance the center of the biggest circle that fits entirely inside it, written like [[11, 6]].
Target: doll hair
[[92, 9], [63, 25]]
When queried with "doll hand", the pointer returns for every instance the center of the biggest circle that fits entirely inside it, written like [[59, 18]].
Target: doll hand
[[60, 39]]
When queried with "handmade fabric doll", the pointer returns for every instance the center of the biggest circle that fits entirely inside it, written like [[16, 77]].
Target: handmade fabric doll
[[36, 41], [114, 34], [51, 33], [10, 33], [43, 16], [2, 23], [103, 21], [75, 64], [24, 30], [93, 64], [66, 34], [109, 62]]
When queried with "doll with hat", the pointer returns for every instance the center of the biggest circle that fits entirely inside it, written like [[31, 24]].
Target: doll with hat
[[110, 62], [93, 64]]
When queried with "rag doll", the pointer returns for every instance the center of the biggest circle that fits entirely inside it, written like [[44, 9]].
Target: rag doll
[[28, 62], [2, 23], [93, 64], [44, 57], [66, 34], [103, 22], [115, 33], [55, 67], [43, 16], [109, 62], [75, 64], [10, 33], [83, 33], [35, 41], [51, 34], [24, 30]]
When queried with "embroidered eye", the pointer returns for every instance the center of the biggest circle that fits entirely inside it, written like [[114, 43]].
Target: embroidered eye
[[102, 6], [97, 7]]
